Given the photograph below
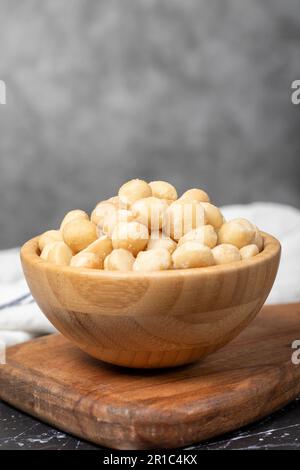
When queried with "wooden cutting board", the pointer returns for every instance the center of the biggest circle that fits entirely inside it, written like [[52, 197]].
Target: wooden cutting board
[[135, 409]]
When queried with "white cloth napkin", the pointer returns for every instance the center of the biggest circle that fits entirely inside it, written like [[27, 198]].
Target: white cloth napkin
[[284, 223], [21, 319]]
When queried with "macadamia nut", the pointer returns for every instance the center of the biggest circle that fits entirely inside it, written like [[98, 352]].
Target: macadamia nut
[[134, 190], [183, 216], [163, 190], [60, 254], [159, 240], [213, 214], [238, 232], [150, 211], [153, 260], [86, 260], [73, 215], [119, 260], [101, 247], [102, 210], [147, 228], [168, 201], [114, 218], [258, 239], [195, 195], [49, 237], [206, 235], [78, 234], [192, 255], [132, 236], [116, 201], [249, 251], [45, 251], [226, 253]]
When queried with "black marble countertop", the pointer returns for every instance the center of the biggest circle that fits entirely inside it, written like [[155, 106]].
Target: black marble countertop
[[281, 430]]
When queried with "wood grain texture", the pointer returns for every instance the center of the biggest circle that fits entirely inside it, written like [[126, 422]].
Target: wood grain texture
[[153, 319], [139, 409]]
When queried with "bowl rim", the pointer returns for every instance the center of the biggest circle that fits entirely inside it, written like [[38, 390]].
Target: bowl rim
[[30, 256]]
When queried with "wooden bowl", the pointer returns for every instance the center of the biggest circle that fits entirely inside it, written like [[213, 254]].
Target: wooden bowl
[[153, 319]]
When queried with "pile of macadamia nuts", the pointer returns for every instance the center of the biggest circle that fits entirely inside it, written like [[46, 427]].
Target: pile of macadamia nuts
[[148, 228]]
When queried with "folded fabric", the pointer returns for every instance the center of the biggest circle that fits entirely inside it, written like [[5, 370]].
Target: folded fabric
[[284, 223], [21, 319]]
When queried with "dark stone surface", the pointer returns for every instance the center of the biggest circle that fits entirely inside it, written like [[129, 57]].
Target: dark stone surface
[[281, 430], [98, 92]]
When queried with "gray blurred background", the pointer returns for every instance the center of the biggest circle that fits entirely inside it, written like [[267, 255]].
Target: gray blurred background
[[101, 91]]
